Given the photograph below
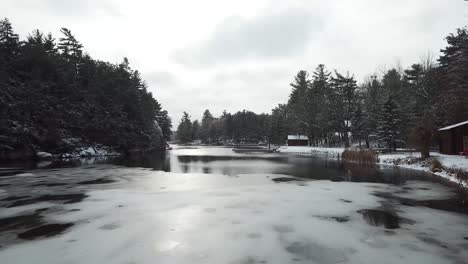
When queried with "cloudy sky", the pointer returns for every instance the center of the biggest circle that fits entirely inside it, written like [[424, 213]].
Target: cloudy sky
[[242, 54]]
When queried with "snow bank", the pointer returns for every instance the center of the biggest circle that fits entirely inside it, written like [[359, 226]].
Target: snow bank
[[311, 150], [400, 159], [411, 160]]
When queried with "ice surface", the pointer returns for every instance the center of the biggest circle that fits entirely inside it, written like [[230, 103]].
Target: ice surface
[[160, 217]]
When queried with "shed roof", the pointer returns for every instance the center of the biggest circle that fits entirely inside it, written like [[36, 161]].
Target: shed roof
[[454, 126], [297, 137]]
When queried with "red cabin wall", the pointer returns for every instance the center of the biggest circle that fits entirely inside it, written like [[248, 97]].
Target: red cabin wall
[[451, 141]]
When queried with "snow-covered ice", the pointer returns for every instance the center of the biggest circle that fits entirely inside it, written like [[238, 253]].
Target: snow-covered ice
[[161, 217]]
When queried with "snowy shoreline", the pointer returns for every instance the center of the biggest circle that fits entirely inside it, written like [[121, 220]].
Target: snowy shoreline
[[410, 160]]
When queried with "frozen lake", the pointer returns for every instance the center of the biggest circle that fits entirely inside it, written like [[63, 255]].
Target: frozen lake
[[210, 205]]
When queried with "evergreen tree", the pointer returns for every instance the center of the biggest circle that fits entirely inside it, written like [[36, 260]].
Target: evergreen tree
[[279, 124], [184, 130], [373, 100], [389, 128], [298, 104], [165, 123], [358, 129], [321, 89], [343, 100], [454, 69], [195, 130], [45, 101], [71, 48], [205, 129]]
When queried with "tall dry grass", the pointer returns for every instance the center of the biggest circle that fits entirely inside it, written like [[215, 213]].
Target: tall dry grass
[[361, 156]]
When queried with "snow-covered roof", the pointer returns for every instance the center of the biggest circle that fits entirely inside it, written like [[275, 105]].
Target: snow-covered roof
[[454, 126], [297, 137]]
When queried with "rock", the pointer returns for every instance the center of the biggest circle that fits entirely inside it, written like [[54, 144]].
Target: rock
[[44, 155], [89, 152]]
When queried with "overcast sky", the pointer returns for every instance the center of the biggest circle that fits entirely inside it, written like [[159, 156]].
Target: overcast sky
[[242, 54]]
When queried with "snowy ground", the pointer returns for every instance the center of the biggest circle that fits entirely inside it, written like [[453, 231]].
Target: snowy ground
[[448, 161], [160, 217]]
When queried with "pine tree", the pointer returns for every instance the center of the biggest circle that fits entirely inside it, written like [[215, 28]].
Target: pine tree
[[321, 89], [195, 130], [299, 104], [205, 129], [358, 130], [9, 41], [389, 128], [343, 100], [454, 68], [373, 100], [71, 48], [165, 123], [279, 124], [184, 130]]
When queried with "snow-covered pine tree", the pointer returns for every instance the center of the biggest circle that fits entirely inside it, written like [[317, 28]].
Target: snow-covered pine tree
[[389, 125]]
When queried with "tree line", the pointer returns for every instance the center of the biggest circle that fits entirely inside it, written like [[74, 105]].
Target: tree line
[[396, 108], [240, 127], [54, 96]]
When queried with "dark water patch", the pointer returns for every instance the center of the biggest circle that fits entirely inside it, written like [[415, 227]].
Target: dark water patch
[[41, 210], [20, 222], [65, 198], [286, 179], [97, 181], [45, 184], [466, 238], [339, 219], [346, 201], [316, 253], [45, 231], [4, 185], [432, 241], [14, 198], [377, 217], [337, 179], [455, 204], [6, 173]]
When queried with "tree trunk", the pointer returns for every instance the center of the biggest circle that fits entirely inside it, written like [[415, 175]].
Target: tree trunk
[[425, 152]]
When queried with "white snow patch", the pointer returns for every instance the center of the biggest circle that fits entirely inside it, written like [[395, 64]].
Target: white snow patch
[[43, 155], [311, 150]]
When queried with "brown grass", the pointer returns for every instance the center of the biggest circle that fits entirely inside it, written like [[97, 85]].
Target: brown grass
[[436, 166], [361, 156]]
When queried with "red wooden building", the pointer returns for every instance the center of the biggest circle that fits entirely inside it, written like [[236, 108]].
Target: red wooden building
[[298, 140], [454, 139]]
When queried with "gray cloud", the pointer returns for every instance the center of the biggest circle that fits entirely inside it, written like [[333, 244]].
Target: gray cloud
[[69, 8], [268, 36], [160, 78]]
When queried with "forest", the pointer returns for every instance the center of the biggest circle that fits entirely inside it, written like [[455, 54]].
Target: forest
[[55, 97], [391, 109]]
